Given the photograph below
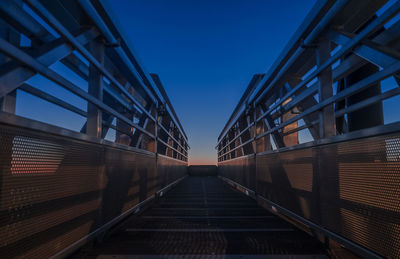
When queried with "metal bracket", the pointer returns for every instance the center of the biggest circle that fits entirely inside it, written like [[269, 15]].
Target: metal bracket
[[112, 44], [249, 109], [307, 46], [162, 109]]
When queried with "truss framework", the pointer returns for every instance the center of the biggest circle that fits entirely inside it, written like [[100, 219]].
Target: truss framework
[[120, 94], [326, 82]]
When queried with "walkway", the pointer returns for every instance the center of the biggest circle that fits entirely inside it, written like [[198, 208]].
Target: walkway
[[205, 216]]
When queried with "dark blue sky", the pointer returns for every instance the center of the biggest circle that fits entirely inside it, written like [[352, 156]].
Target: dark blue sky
[[206, 52]]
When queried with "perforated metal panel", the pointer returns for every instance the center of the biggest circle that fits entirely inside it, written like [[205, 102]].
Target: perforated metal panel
[[289, 178], [241, 170], [55, 190], [360, 194], [351, 188]]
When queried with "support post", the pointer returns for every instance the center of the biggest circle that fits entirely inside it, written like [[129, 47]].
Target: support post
[[94, 117], [156, 131], [327, 126], [8, 102]]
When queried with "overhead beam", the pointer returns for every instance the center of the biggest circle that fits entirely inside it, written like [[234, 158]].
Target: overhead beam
[[12, 74]]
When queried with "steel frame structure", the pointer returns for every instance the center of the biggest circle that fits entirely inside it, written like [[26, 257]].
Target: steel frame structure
[[326, 85], [329, 46], [84, 38], [74, 184]]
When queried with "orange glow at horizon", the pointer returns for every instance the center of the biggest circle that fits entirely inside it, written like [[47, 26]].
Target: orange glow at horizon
[[202, 161]]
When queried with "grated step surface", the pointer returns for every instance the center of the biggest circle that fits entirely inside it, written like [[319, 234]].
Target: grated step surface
[[205, 218]]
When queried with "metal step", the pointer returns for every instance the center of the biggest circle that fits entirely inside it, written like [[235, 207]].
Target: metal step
[[203, 217]]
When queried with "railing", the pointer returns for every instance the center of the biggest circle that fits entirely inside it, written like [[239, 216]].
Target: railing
[[87, 136], [333, 89], [329, 75], [78, 48]]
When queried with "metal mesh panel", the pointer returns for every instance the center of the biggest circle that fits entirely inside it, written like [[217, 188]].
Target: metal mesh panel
[[241, 170], [35, 156], [366, 196], [288, 178], [55, 190], [46, 182], [170, 170], [350, 188]]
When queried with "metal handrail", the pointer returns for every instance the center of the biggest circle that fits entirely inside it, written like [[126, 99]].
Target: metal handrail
[[73, 50], [302, 91], [34, 4]]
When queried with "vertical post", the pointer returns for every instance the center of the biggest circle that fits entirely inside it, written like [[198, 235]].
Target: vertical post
[[156, 135], [226, 147], [371, 115], [144, 122], [174, 143], [327, 126], [238, 141], [156, 131], [306, 103], [254, 142], [254, 128], [223, 158], [178, 156], [94, 116], [324, 187], [263, 143], [240, 151], [232, 144], [268, 124], [248, 134], [8, 102], [259, 143], [293, 138], [162, 134], [170, 142]]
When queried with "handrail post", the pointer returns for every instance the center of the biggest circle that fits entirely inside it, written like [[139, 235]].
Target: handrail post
[[327, 126], [8, 102], [95, 88]]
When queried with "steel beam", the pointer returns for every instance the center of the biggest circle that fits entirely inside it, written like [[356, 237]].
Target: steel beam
[[15, 75], [34, 65], [46, 15]]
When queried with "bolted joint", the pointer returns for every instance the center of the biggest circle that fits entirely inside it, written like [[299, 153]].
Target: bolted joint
[[307, 46], [162, 110], [125, 110], [249, 110], [112, 44]]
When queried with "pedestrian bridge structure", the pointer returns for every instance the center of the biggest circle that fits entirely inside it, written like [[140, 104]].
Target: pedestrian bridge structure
[[94, 160]]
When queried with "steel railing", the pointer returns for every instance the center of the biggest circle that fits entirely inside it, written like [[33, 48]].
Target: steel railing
[[90, 45], [316, 138], [293, 90]]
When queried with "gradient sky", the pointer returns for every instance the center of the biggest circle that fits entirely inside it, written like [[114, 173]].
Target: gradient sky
[[206, 53]]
